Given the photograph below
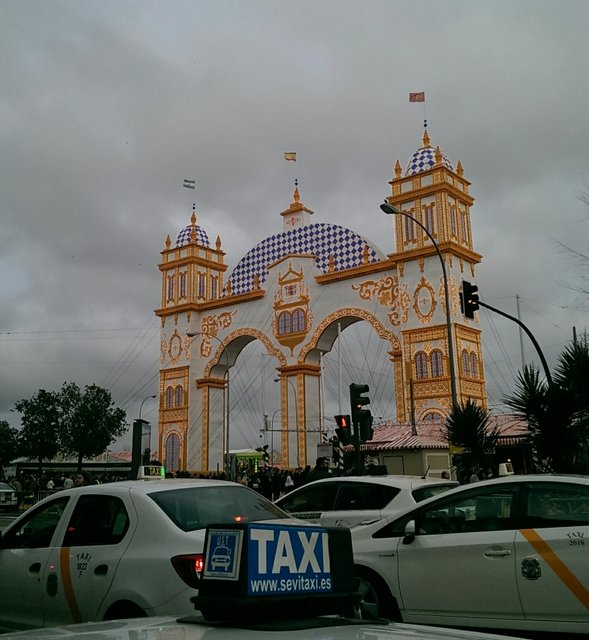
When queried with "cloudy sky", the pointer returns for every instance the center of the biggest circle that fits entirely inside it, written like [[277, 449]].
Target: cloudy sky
[[106, 106]]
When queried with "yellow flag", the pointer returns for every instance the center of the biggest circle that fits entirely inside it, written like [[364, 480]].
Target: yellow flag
[[290, 156]]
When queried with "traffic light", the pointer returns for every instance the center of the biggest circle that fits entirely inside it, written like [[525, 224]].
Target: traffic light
[[469, 299], [343, 430], [366, 431], [335, 451], [357, 400], [362, 418]]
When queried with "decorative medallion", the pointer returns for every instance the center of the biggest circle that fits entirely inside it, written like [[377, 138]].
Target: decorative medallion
[[389, 294], [424, 302], [175, 348]]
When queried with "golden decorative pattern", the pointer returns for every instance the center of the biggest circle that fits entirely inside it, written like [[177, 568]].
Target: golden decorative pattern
[[210, 326], [424, 302], [389, 294]]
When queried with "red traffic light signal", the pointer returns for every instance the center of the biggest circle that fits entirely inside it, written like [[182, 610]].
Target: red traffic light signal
[[344, 429]]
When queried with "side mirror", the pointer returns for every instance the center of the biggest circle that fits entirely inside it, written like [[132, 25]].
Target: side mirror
[[409, 532]]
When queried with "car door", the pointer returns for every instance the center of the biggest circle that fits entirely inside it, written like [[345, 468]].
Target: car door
[[24, 553], [552, 553], [461, 562], [81, 569]]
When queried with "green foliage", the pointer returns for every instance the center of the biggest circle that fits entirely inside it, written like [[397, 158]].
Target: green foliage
[[71, 422], [558, 414], [467, 427], [39, 436], [8, 438], [89, 421]]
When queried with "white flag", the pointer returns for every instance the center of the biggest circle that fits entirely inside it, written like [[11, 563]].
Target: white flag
[[189, 184]]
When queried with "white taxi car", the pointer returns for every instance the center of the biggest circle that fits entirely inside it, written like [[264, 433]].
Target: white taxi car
[[118, 550], [508, 553], [288, 581], [347, 500]]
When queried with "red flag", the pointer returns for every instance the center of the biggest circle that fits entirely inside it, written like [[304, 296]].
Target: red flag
[[417, 97]]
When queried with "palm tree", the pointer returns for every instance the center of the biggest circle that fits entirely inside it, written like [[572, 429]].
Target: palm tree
[[467, 428], [558, 414]]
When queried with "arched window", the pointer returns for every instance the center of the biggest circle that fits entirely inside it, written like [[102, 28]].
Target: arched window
[[183, 284], [437, 367], [474, 365], [465, 363], [409, 228], [298, 320], [172, 462], [169, 396], [171, 282], [284, 323], [179, 393], [429, 219], [453, 221], [421, 365], [214, 287], [201, 285], [433, 416]]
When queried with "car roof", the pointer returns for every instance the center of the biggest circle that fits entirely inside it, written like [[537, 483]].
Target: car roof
[[388, 480], [149, 486]]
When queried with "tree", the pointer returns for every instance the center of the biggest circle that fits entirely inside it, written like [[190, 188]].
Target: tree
[[89, 421], [467, 428], [39, 435], [8, 450], [558, 414]]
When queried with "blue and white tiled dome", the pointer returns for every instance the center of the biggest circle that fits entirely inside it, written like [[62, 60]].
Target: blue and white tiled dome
[[184, 235], [322, 240], [423, 160]]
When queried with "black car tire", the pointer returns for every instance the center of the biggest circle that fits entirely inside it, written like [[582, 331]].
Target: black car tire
[[376, 600]]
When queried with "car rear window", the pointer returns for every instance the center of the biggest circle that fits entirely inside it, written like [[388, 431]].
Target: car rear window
[[192, 508], [427, 491]]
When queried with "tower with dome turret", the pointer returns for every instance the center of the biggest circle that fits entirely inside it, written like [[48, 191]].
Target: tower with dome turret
[[295, 290]]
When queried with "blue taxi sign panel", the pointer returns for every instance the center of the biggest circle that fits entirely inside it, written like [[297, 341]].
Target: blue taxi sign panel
[[222, 554], [288, 561], [272, 569]]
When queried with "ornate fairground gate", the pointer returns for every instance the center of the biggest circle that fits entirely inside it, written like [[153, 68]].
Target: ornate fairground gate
[[292, 290]]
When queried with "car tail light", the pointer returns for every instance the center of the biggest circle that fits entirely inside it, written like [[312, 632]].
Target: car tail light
[[189, 568]]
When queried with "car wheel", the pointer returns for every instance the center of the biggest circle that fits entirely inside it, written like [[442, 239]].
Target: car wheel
[[124, 609], [376, 600]]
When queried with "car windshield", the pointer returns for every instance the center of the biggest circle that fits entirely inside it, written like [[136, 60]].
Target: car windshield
[[428, 491], [196, 507]]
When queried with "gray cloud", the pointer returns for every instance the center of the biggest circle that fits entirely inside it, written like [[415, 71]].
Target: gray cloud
[[107, 106]]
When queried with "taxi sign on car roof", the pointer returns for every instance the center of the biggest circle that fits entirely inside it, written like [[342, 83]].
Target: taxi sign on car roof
[[277, 569]]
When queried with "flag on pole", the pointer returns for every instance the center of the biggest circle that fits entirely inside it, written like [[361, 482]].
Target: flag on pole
[[417, 97], [291, 156], [189, 184]]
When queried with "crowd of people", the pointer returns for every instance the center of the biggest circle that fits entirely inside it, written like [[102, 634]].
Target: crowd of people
[[271, 482]]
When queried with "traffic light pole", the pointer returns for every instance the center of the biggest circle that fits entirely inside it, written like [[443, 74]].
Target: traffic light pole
[[530, 335]]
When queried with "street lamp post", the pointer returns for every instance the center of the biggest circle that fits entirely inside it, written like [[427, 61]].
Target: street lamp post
[[226, 460], [390, 209], [143, 402]]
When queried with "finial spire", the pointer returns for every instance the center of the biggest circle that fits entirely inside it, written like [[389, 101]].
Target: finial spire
[[426, 141]]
